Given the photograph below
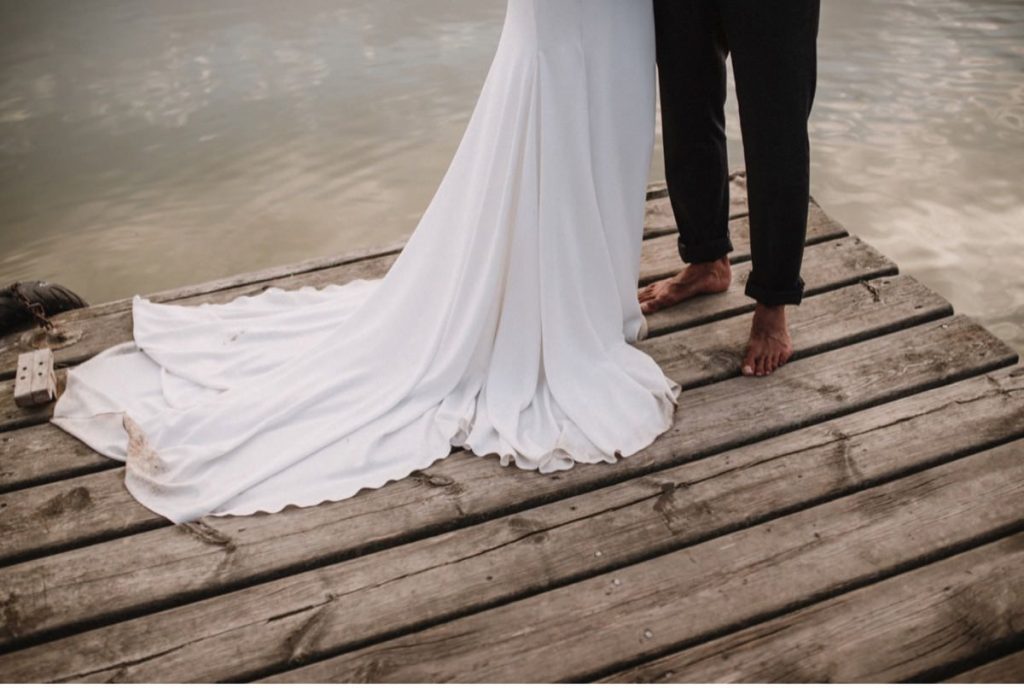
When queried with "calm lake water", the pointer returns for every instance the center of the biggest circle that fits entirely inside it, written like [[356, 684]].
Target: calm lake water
[[147, 144]]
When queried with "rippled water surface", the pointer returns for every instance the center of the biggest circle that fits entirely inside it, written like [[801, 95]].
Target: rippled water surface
[[152, 144]]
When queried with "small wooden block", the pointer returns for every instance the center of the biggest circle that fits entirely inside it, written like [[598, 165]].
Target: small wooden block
[[36, 382]]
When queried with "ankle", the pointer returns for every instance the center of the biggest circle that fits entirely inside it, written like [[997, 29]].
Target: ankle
[[716, 268], [770, 314]]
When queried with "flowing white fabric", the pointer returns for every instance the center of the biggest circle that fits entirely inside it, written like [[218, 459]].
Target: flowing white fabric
[[505, 325]]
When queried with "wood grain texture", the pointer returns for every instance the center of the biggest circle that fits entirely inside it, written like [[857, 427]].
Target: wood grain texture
[[73, 512], [42, 454], [826, 320], [89, 331], [176, 564], [832, 265], [660, 219], [88, 337], [889, 632], [32, 525], [276, 272], [827, 266], [648, 608], [409, 585], [660, 255]]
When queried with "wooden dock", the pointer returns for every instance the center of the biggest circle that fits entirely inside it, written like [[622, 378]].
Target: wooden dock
[[857, 516]]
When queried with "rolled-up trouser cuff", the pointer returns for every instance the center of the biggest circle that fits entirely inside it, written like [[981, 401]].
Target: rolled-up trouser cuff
[[775, 297], [705, 252]]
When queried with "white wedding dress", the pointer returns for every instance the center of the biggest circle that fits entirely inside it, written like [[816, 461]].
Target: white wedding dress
[[503, 327]]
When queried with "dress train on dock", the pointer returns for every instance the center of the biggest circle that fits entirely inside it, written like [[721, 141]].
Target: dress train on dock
[[504, 326]]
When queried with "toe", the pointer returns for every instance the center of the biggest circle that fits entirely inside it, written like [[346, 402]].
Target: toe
[[657, 302], [747, 366]]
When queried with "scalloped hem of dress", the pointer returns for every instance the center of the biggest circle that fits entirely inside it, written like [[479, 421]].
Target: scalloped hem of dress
[[557, 460]]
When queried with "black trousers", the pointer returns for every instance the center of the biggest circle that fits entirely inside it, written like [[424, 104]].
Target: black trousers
[[773, 44]]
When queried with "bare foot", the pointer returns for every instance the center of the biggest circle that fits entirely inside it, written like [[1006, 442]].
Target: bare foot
[[698, 278], [770, 345]]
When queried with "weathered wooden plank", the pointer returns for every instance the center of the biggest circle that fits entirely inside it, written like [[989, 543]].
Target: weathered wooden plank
[[106, 326], [412, 584], [233, 281], [657, 189], [1007, 669], [43, 454], [826, 320], [642, 610], [893, 631], [737, 192], [32, 525], [177, 564], [88, 336], [660, 219], [660, 256], [831, 265], [67, 513]]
